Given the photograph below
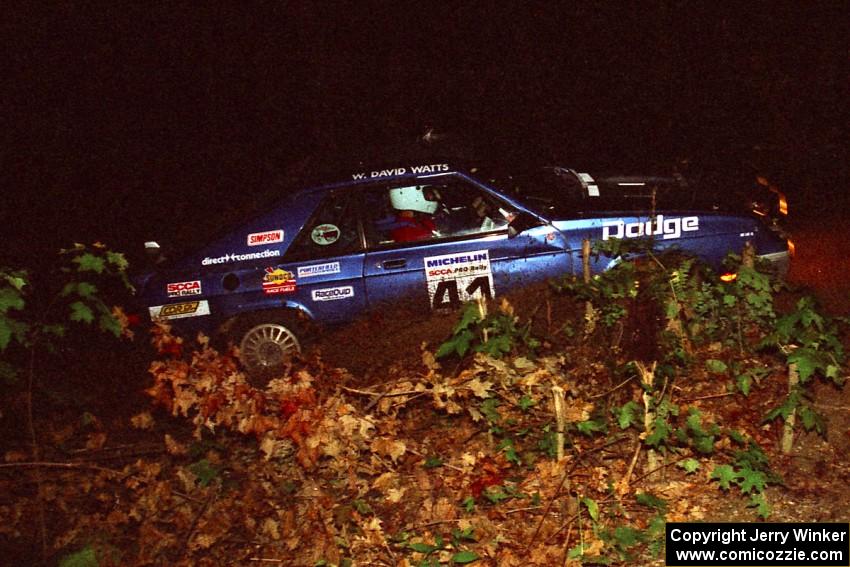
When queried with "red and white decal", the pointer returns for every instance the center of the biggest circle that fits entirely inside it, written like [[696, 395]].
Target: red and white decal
[[182, 289], [325, 234], [268, 237], [277, 280]]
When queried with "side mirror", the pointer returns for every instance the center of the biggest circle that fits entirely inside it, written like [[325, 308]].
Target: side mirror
[[153, 252], [522, 222]]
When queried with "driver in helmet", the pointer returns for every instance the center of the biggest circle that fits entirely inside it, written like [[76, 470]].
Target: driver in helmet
[[415, 207]]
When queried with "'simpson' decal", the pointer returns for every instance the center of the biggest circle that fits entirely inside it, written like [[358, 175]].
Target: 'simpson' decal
[[665, 228], [268, 237]]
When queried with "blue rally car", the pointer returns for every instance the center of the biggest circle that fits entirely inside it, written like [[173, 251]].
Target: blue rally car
[[428, 234]]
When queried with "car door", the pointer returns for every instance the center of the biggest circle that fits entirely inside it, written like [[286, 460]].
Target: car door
[[470, 253], [325, 263]]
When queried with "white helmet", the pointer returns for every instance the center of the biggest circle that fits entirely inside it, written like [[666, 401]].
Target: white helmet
[[412, 199]]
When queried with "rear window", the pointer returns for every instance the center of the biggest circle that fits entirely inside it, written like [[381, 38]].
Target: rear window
[[562, 192]]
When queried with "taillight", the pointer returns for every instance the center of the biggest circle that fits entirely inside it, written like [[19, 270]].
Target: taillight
[[783, 202], [780, 196]]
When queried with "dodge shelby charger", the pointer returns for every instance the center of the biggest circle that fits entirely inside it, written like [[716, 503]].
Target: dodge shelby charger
[[430, 234]]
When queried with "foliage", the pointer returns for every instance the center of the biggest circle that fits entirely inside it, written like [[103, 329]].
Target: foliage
[[86, 557], [701, 311], [430, 466], [74, 294], [751, 472], [36, 316], [811, 346], [810, 341], [496, 334], [12, 299]]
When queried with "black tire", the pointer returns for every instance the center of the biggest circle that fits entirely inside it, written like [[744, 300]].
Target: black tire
[[267, 341]]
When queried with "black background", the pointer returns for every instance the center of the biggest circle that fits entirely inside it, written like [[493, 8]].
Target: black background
[[123, 121]]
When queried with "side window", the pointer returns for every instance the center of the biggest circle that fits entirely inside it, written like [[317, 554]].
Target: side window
[[331, 231], [432, 211]]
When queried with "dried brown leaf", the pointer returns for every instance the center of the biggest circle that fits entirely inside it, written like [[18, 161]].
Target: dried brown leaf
[[174, 447], [143, 420], [392, 448]]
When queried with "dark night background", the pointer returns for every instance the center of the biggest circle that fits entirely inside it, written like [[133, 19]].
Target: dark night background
[[122, 122]]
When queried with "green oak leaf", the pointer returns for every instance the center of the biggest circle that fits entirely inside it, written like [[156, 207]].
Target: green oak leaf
[[90, 263], [715, 366], [760, 502], [689, 465], [118, 260], [81, 312], [590, 427], [725, 475], [10, 299], [651, 500], [660, 432], [751, 479], [744, 382], [626, 414]]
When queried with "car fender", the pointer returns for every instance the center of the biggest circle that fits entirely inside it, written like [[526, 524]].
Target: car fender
[[250, 309]]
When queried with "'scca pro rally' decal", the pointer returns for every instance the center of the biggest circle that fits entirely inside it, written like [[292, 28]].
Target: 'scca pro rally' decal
[[180, 289], [456, 278]]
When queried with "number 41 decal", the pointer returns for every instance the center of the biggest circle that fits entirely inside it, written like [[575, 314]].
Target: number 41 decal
[[447, 293]]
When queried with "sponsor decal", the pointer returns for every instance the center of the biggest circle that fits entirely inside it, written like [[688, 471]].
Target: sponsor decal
[[592, 188], [180, 310], [277, 280], [325, 234], [227, 258], [268, 237], [333, 293], [416, 169], [318, 270], [181, 289], [456, 278], [665, 228]]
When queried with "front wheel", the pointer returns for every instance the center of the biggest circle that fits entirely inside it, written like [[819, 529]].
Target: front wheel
[[267, 342]]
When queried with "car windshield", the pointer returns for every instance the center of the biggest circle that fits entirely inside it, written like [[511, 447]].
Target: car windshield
[[545, 191]]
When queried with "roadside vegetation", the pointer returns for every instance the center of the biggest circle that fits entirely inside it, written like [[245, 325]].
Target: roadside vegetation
[[563, 434]]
